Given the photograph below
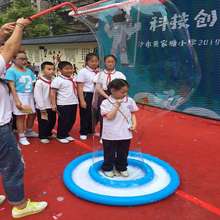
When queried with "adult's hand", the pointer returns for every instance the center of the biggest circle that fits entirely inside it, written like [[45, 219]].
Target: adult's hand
[[7, 28], [23, 22], [12, 45]]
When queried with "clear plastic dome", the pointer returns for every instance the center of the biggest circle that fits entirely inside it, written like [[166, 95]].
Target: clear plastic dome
[[153, 48], [152, 44]]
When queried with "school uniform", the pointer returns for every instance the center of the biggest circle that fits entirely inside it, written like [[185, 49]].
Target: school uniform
[[67, 102], [23, 81], [116, 135], [43, 103], [86, 76], [104, 78]]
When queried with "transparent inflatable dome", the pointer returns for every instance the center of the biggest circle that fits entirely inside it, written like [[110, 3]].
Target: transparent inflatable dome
[[152, 45], [153, 49]]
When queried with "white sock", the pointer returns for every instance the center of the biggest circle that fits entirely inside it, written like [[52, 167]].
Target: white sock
[[21, 135], [29, 130]]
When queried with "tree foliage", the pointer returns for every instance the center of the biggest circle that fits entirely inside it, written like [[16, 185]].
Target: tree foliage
[[52, 24]]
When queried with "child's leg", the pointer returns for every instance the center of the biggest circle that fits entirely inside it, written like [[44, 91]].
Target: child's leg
[[82, 121], [42, 126], [52, 120], [20, 123], [109, 155], [86, 115], [88, 100], [30, 121], [71, 112], [63, 120], [122, 154]]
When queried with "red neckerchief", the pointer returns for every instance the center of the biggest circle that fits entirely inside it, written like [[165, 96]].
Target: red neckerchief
[[44, 80], [112, 101], [73, 83], [109, 76], [92, 70]]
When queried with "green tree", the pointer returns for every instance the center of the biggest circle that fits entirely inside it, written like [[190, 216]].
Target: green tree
[[52, 24], [23, 8]]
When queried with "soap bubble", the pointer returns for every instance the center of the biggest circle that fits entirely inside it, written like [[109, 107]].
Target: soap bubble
[[151, 42]]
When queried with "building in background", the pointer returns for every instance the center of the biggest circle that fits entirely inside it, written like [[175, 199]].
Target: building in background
[[72, 48]]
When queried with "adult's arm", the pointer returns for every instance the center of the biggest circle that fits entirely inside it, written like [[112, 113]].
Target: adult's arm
[[12, 45]]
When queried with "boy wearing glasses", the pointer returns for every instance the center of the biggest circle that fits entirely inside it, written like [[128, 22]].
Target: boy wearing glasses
[[20, 80]]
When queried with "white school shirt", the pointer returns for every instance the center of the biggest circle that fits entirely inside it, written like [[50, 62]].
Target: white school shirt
[[117, 128], [42, 93], [86, 76], [5, 99], [66, 90], [105, 77]]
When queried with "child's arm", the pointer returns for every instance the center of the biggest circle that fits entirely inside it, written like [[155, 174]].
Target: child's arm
[[111, 115], [17, 101], [53, 98], [134, 122], [101, 91], [80, 94]]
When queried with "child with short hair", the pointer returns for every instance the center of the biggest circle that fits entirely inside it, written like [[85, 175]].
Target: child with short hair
[[64, 100], [118, 123], [45, 115], [85, 81], [20, 80]]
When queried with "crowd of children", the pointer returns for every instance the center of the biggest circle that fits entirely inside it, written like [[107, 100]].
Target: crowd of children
[[58, 95]]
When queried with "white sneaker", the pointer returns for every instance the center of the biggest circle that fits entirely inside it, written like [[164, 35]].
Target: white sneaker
[[2, 199], [63, 141], [70, 138], [45, 141], [124, 173], [83, 137], [31, 134], [109, 173], [24, 141], [30, 209], [116, 172]]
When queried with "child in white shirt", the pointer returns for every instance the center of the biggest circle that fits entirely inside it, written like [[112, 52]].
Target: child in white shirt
[[102, 81], [64, 100], [85, 82], [118, 123], [45, 115]]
